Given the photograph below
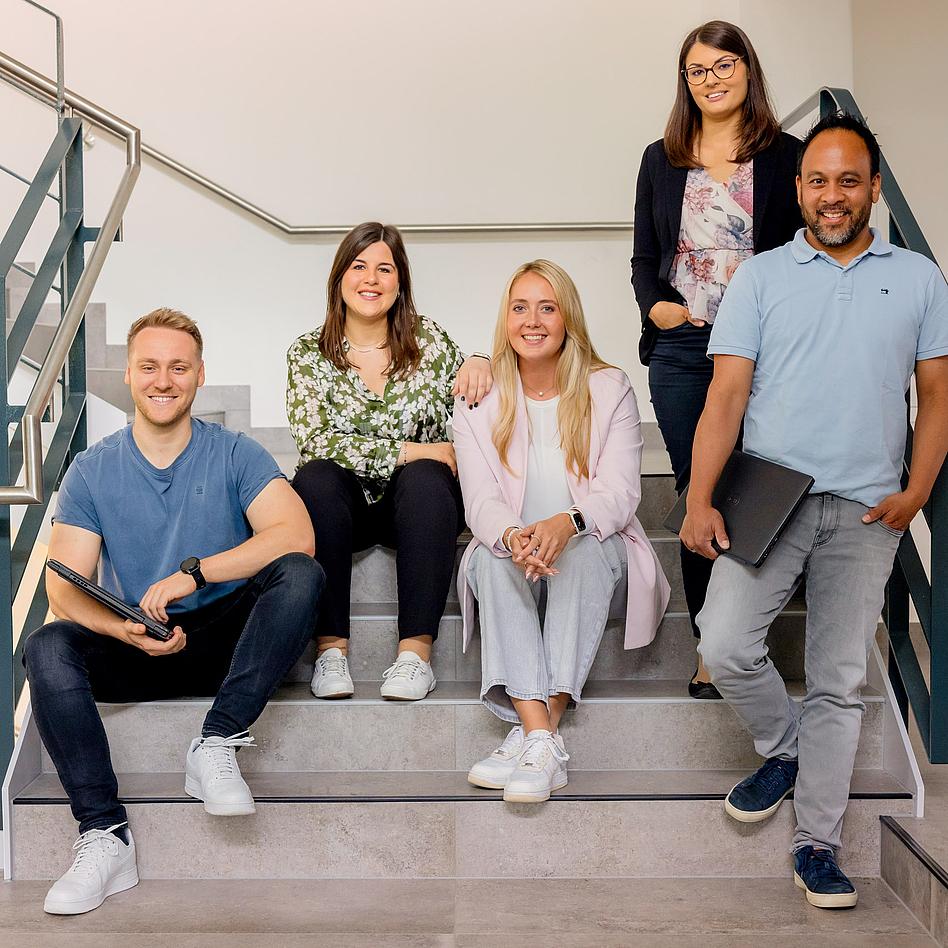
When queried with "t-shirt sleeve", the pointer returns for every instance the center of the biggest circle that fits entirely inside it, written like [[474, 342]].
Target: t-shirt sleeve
[[254, 468], [75, 506], [736, 328], [933, 334]]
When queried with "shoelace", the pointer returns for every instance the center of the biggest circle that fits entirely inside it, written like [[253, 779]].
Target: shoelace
[[334, 665], [827, 866], [222, 753], [90, 848], [538, 750], [511, 742], [408, 668], [774, 776]]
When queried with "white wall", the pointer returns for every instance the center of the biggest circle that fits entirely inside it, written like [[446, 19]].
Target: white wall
[[411, 112], [899, 84]]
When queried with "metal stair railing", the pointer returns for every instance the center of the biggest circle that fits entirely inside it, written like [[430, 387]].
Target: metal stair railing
[[65, 362], [909, 582]]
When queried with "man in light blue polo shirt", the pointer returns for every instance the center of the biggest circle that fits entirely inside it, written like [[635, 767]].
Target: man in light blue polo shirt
[[814, 346]]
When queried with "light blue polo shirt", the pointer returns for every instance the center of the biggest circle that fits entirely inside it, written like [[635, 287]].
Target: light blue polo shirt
[[834, 350], [150, 518]]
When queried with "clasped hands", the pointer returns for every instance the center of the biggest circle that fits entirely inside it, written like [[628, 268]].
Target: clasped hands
[[537, 546]]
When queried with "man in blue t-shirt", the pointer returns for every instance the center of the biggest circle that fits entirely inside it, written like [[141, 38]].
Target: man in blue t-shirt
[[814, 347], [197, 526]]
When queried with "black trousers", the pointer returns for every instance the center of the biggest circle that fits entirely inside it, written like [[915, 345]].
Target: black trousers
[[679, 374], [420, 516]]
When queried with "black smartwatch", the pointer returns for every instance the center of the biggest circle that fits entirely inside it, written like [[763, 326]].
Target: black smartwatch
[[192, 566], [579, 522]]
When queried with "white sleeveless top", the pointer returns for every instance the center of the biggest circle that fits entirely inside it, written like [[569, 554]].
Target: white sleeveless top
[[547, 490]]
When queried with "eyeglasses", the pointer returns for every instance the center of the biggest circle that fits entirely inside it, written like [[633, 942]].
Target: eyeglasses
[[723, 69]]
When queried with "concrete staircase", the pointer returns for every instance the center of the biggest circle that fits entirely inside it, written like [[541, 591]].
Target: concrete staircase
[[370, 789]]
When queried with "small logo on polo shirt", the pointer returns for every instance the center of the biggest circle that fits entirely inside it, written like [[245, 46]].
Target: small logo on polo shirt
[[200, 488], [884, 290]]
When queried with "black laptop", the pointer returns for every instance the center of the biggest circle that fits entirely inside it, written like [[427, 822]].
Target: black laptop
[[757, 499], [152, 628]]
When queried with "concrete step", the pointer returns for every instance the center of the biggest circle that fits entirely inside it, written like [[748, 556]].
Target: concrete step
[[374, 580], [374, 630], [620, 725], [464, 913], [401, 826]]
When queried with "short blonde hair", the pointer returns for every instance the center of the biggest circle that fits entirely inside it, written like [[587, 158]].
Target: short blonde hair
[[166, 318]]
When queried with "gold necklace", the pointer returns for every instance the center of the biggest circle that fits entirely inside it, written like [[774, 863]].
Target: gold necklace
[[536, 391], [380, 345]]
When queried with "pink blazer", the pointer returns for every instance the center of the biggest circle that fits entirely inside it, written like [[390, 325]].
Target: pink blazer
[[493, 497]]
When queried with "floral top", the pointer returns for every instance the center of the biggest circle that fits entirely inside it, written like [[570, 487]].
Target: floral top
[[335, 415], [716, 236]]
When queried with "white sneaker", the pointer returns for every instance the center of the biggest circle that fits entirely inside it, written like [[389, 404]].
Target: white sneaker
[[540, 769], [409, 679], [103, 866], [492, 772], [331, 678], [212, 775]]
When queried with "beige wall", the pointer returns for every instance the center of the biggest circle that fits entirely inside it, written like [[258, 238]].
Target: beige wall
[[899, 66], [331, 112]]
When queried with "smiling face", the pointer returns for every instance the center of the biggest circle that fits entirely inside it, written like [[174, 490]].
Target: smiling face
[[717, 98], [164, 372], [836, 189], [535, 327], [370, 284]]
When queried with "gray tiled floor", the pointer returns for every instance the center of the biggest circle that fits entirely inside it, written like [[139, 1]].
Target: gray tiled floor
[[575, 912]]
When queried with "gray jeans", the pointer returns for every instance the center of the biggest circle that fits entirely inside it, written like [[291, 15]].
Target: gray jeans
[[846, 564], [524, 659]]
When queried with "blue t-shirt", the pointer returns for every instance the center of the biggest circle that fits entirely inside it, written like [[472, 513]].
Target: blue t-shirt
[[150, 519], [834, 349]]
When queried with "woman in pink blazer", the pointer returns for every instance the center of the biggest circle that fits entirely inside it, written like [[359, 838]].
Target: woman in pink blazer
[[549, 470]]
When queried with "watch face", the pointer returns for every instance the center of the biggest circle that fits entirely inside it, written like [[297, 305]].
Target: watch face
[[190, 564]]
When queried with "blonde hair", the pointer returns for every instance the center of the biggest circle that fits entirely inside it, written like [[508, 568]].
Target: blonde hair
[[578, 359], [165, 318]]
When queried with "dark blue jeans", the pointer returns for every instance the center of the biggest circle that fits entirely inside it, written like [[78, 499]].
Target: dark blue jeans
[[679, 373], [239, 650]]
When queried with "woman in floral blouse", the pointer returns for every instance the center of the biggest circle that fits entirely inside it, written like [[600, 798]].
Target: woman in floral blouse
[[369, 395], [719, 187]]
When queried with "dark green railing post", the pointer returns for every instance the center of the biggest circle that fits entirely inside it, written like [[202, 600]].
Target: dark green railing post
[[938, 751], [71, 183], [8, 695]]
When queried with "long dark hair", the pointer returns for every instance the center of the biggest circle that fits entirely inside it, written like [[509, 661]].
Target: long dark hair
[[759, 125], [402, 317]]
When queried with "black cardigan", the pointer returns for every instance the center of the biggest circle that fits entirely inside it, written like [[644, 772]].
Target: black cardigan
[[658, 199]]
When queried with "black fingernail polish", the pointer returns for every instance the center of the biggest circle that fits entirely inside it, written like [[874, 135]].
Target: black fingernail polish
[[462, 398], [476, 404], [470, 408]]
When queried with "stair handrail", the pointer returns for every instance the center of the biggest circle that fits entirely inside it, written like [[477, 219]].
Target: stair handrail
[[39, 86], [79, 106]]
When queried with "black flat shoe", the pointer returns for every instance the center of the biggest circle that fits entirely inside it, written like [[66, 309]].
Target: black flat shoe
[[703, 690]]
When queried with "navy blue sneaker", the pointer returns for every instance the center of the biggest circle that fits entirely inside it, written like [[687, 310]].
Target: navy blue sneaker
[[756, 797], [826, 886]]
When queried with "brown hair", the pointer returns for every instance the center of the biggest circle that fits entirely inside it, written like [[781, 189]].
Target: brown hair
[[165, 318], [759, 125], [402, 317]]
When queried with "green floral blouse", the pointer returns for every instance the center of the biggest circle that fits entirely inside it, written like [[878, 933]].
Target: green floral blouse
[[335, 415]]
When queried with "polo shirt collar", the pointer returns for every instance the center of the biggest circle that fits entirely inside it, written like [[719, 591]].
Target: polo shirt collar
[[804, 252]]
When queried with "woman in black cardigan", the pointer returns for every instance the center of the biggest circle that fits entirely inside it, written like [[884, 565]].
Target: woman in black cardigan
[[720, 186]]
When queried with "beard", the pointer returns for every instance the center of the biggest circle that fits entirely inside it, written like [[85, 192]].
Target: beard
[[838, 237]]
